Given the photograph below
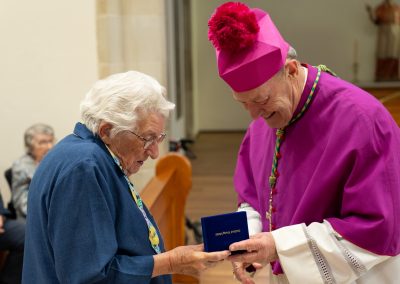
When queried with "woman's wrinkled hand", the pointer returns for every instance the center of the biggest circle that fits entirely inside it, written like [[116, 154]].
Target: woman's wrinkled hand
[[190, 260]]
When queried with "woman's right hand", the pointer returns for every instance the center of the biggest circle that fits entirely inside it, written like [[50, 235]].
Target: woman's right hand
[[189, 260]]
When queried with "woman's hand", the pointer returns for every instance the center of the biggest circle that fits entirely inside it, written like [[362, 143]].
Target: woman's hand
[[2, 220], [189, 260]]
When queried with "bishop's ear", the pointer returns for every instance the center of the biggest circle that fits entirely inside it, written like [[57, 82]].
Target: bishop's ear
[[292, 67]]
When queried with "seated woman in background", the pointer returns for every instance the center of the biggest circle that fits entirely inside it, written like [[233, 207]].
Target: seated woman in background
[[39, 139], [12, 236]]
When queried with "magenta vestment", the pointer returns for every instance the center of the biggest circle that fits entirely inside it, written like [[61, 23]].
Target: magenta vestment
[[339, 162]]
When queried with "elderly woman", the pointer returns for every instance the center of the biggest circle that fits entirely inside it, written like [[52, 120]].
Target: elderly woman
[[87, 223], [38, 139]]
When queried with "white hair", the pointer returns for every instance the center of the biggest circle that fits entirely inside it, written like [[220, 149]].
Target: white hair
[[122, 100], [292, 54]]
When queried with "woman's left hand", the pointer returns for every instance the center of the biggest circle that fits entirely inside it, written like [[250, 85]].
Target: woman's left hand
[[189, 260], [192, 259]]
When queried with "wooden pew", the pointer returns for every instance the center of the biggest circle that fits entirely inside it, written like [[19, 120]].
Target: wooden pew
[[165, 196]]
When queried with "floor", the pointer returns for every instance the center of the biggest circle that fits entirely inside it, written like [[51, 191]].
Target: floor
[[390, 98]]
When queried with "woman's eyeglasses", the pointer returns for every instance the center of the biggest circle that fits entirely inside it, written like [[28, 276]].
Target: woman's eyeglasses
[[150, 141]]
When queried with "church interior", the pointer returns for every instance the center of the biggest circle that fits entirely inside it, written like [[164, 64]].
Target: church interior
[[52, 52]]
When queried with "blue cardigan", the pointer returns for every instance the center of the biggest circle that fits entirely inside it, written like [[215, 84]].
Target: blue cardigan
[[83, 225]]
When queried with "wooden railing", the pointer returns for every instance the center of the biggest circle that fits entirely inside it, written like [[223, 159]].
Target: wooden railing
[[165, 196]]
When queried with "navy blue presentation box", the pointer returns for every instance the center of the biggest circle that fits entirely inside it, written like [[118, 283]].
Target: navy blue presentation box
[[219, 231]]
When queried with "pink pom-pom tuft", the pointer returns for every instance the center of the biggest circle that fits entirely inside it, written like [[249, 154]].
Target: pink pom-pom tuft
[[233, 27]]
